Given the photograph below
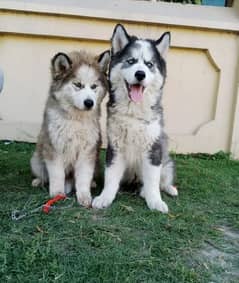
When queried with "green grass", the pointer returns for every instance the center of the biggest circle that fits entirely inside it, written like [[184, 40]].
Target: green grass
[[124, 243]]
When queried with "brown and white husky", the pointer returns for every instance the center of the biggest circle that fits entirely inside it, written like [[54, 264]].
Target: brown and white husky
[[69, 140]]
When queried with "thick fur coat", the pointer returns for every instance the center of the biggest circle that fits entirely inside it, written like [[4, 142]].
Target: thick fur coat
[[137, 143], [69, 140]]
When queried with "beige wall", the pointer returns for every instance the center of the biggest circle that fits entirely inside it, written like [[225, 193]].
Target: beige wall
[[201, 95]]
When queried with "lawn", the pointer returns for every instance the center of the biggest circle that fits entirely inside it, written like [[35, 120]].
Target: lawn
[[198, 241]]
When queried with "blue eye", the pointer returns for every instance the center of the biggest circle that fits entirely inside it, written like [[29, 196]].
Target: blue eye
[[149, 64], [131, 61]]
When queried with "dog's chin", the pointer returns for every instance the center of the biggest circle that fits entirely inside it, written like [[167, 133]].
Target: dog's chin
[[135, 91], [83, 109]]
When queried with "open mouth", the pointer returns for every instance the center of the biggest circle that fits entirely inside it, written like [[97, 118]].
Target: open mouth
[[135, 92]]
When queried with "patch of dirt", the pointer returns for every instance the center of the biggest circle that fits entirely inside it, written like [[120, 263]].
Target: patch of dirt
[[221, 259]]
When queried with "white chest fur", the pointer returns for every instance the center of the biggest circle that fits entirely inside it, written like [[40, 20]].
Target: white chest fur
[[72, 138], [133, 137]]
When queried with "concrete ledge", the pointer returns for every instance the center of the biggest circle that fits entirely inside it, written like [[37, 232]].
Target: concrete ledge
[[218, 18]]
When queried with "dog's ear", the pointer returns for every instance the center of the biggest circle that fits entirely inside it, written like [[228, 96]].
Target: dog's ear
[[104, 60], [61, 63], [163, 43], [120, 38]]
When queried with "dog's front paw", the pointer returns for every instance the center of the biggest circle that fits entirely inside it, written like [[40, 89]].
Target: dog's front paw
[[157, 204], [84, 199], [101, 202]]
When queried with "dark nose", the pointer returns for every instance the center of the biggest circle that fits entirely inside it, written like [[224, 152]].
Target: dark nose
[[140, 75], [88, 103]]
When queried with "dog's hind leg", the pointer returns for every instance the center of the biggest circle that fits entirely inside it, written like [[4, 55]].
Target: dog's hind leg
[[38, 170], [167, 178]]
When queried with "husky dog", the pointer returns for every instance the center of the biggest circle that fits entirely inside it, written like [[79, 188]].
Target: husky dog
[[137, 144], [69, 140]]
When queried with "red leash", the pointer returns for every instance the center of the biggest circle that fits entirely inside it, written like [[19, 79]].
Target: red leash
[[45, 208], [48, 205]]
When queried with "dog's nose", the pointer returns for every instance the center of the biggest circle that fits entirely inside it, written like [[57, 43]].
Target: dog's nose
[[140, 75], [88, 103]]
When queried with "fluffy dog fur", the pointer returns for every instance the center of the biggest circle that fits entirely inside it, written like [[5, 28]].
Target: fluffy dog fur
[[137, 143], [69, 140]]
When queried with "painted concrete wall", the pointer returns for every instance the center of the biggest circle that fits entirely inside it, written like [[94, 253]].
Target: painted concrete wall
[[201, 95]]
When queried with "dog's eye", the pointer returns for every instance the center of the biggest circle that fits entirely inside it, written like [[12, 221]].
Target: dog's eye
[[131, 61], [79, 85], [94, 86], [149, 64]]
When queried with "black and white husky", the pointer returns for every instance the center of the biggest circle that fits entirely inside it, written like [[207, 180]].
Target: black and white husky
[[137, 144]]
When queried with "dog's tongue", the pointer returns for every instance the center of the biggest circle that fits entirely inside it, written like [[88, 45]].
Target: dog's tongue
[[136, 92]]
